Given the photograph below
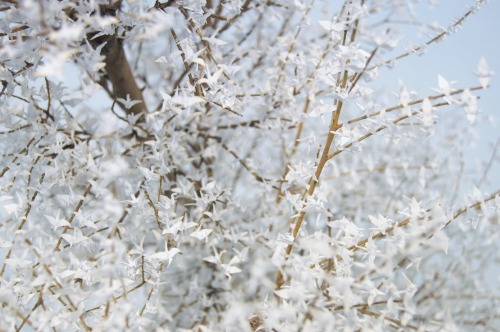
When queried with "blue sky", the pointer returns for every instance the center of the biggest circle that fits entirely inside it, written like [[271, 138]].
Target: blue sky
[[455, 58]]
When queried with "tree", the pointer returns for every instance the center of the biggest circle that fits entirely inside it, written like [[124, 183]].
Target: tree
[[240, 169]]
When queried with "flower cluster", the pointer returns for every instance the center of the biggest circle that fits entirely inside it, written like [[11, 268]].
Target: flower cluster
[[233, 165]]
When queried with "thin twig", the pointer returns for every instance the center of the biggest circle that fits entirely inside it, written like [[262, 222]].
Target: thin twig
[[75, 211], [414, 102], [155, 209], [379, 129], [405, 222], [244, 164], [489, 164], [422, 47]]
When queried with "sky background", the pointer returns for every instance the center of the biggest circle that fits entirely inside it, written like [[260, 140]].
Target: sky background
[[456, 58]]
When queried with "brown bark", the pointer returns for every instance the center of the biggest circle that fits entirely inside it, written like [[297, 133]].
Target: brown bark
[[120, 75], [118, 71]]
